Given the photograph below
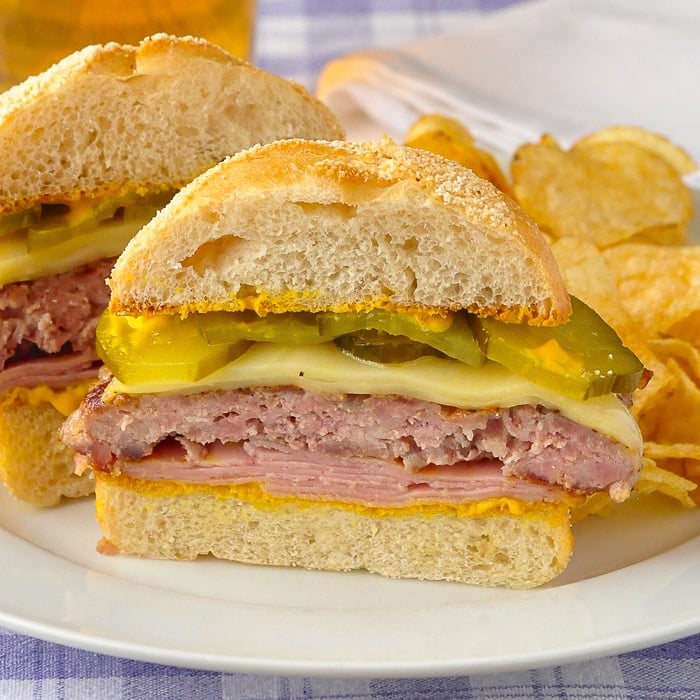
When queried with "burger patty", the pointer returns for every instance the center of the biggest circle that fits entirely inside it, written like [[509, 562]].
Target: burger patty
[[529, 442], [52, 314]]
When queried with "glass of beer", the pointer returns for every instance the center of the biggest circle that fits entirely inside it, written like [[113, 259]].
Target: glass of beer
[[36, 33]]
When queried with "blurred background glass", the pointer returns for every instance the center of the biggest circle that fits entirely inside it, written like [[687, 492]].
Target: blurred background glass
[[36, 33]]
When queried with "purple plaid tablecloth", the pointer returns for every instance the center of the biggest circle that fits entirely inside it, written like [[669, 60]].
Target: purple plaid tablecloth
[[32, 669], [295, 38]]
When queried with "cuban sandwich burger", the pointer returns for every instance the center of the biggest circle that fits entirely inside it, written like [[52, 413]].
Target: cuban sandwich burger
[[92, 148], [352, 356]]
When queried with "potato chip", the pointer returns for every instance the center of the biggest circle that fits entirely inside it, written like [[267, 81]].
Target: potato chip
[[588, 277], [679, 422], [673, 440], [654, 479], [596, 504], [448, 138], [427, 125], [683, 352], [660, 287], [668, 234], [691, 469], [688, 327], [676, 156], [606, 192], [676, 450]]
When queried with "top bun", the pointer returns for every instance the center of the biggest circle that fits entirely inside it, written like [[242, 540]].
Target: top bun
[[107, 117], [307, 226]]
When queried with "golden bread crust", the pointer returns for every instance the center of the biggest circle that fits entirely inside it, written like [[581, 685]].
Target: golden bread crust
[[313, 225], [153, 115]]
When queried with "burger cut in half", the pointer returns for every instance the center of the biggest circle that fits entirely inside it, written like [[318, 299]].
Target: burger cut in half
[[352, 356]]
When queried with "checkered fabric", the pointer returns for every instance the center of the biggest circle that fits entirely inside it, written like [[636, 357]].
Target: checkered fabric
[[33, 670], [295, 38]]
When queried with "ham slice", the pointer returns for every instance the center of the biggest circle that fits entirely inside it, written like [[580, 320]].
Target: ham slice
[[47, 327], [55, 371], [369, 481], [378, 449]]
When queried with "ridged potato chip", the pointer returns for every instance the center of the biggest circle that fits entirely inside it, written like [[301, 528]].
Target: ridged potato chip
[[682, 351], [654, 479], [660, 287], [449, 138], [674, 154], [679, 421], [606, 192]]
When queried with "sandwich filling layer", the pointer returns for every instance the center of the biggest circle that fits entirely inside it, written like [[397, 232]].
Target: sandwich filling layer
[[47, 328], [251, 493], [378, 450]]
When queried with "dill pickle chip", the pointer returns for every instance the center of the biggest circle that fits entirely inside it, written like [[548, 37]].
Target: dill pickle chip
[[58, 222], [160, 348], [289, 328], [18, 220], [581, 358], [382, 348], [451, 336]]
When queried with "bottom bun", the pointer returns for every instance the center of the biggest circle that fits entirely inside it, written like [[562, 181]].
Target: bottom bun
[[499, 543], [35, 465]]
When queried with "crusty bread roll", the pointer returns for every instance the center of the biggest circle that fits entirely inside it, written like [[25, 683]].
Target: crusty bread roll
[[286, 462], [153, 115], [353, 226], [496, 548], [118, 118]]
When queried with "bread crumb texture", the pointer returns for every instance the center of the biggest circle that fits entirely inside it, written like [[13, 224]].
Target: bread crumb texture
[[153, 115], [315, 225], [519, 546], [34, 465]]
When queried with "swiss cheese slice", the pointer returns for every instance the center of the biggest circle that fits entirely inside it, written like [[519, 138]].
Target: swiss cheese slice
[[326, 369]]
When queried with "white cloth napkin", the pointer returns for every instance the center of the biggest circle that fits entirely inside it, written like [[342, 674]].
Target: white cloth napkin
[[566, 67]]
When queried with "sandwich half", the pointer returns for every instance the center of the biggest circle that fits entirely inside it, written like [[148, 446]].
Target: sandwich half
[[92, 148], [352, 356]]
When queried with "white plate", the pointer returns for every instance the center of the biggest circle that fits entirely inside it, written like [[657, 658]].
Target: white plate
[[633, 582]]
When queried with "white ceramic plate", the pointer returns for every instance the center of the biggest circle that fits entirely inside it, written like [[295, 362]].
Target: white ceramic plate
[[633, 582]]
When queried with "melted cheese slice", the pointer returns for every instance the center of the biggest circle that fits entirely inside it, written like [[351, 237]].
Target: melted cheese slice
[[19, 264], [325, 369]]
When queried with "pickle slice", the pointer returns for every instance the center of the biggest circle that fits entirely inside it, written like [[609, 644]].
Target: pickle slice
[[62, 236], [61, 221], [383, 348], [581, 358], [288, 328], [160, 348], [19, 220], [452, 337]]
